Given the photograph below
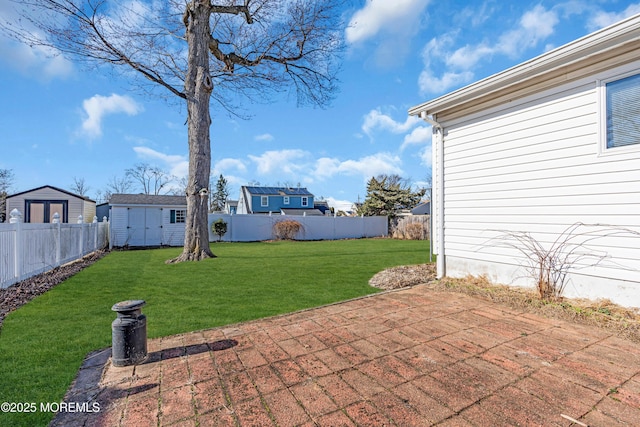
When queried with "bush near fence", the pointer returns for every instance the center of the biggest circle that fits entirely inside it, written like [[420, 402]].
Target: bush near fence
[[413, 227], [286, 229], [253, 228]]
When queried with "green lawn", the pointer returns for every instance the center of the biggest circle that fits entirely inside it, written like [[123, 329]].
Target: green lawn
[[43, 343]]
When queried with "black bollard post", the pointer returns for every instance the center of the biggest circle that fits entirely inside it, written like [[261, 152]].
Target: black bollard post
[[129, 334]]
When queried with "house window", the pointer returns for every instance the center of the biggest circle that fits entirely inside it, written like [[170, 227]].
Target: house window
[[264, 201], [178, 216], [305, 201], [285, 200], [623, 111]]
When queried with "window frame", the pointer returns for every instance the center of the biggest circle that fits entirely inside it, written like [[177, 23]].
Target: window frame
[[178, 216], [285, 200], [264, 201], [304, 201], [603, 149]]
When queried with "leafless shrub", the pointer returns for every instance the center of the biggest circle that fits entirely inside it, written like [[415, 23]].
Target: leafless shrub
[[549, 266], [286, 230], [411, 228]]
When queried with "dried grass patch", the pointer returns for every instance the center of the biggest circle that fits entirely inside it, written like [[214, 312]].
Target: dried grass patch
[[403, 276], [621, 321]]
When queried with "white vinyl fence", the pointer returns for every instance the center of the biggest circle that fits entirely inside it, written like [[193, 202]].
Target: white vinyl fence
[[30, 249], [251, 228]]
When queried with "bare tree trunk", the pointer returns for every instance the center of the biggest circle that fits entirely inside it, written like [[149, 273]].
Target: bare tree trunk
[[198, 87]]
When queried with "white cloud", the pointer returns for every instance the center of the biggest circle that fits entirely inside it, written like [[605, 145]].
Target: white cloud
[[368, 166], [224, 165], [375, 119], [264, 137], [383, 15], [178, 165], [393, 24], [603, 19], [418, 136], [98, 106], [426, 156], [429, 83], [287, 161], [45, 62], [533, 28]]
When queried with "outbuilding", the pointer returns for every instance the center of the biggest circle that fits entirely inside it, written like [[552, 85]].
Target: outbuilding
[[139, 220], [39, 205], [538, 150]]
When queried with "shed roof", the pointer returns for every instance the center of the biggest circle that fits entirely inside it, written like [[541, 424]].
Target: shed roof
[[301, 212], [56, 189], [612, 46], [147, 199]]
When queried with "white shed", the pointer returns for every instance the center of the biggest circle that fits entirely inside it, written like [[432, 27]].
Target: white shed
[[534, 149], [147, 220]]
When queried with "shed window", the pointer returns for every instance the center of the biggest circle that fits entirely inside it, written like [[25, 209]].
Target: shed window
[[264, 201], [286, 200], [305, 201], [178, 216], [623, 112]]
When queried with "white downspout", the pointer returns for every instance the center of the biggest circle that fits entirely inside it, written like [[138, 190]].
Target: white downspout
[[438, 130]]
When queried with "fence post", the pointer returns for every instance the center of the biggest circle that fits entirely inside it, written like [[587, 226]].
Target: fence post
[[56, 221], [105, 233], [16, 218], [94, 226], [81, 242]]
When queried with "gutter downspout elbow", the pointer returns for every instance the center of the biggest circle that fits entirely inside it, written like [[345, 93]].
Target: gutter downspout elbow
[[439, 226]]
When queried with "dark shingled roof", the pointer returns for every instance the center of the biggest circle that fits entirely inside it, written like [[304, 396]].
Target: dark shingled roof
[[147, 199]]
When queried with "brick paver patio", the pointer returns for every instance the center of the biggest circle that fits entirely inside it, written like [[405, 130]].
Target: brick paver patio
[[413, 357]]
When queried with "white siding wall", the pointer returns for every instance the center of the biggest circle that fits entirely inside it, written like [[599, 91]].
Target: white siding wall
[[536, 165], [119, 219], [172, 234]]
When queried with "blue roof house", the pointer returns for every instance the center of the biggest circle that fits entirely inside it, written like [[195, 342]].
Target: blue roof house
[[276, 200]]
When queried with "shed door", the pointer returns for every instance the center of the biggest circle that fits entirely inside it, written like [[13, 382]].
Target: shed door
[[145, 227], [153, 230]]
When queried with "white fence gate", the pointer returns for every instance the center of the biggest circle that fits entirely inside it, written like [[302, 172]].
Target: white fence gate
[[30, 249]]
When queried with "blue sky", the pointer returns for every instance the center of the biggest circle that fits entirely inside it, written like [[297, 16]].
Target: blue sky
[[60, 121]]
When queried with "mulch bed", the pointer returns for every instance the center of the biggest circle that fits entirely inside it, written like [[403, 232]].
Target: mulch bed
[[22, 292]]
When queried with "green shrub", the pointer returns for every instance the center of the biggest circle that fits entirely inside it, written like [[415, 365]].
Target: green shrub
[[219, 227]]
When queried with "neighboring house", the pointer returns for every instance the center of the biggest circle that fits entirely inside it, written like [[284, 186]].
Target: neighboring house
[[231, 207], [322, 206], [147, 220], [423, 208], [536, 148], [40, 204], [276, 200]]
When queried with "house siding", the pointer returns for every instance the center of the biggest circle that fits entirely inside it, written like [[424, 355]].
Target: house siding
[[536, 165], [276, 202]]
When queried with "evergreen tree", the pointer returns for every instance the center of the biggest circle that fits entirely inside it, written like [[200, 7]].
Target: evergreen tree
[[387, 194], [220, 195]]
